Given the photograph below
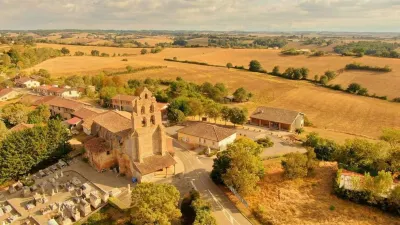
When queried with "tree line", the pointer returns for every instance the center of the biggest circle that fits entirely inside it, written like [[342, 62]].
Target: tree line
[[373, 48]]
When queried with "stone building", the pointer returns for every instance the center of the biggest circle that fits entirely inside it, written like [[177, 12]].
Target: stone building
[[135, 143], [277, 119]]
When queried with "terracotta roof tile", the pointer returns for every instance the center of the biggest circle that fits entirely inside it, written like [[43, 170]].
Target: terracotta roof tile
[[207, 131], [22, 80], [87, 112], [96, 145], [275, 115], [22, 126], [114, 122], [154, 163], [5, 91], [66, 103], [124, 97]]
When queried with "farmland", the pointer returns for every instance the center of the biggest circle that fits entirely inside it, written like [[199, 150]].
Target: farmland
[[309, 200], [327, 109]]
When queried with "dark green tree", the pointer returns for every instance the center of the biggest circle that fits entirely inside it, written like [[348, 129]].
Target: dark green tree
[[255, 66]]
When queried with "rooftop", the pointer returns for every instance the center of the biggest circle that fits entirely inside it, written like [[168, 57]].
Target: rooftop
[[96, 145], [275, 114], [155, 163], [124, 97], [113, 121], [73, 121], [87, 112], [56, 89], [207, 131], [22, 126], [65, 103], [5, 91], [22, 80]]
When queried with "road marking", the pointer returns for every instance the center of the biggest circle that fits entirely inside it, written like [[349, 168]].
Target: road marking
[[226, 213], [194, 186], [199, 160]]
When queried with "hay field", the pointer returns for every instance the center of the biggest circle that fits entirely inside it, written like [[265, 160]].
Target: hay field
[[327, 109], [308, 201], [381, 83], [153, 40], [198, 41], [88, 49]]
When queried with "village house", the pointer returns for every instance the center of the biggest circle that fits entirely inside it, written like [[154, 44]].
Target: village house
[[65, 92], [26, 82], [277, 119], [208, 135], [7, 94], [64, 107], [135, 143], [123, 102]]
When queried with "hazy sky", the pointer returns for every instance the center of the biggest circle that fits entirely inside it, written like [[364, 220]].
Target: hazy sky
[[223, 15]]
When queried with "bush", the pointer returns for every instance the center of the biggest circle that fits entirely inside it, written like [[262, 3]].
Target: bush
[[262, 216], [307, 122], [255, 66], [358, 66], [295, 165], [396, 99], [125, 60], [265, 142], [229, 65], [143, 51]]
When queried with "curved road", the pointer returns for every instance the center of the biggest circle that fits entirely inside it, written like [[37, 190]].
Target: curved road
[[197, 170]]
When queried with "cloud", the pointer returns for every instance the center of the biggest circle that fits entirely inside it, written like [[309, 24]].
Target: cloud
[[252, 15]]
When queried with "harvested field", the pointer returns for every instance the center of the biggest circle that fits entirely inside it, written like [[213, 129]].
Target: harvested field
[[153, 40], [309, 200], [327, 109], [383, 84], [88, 49], [198, 41]]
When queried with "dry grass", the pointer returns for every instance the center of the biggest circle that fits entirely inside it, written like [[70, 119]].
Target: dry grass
[[198, 41], [88, 49], [308, 201], [153, 40], [327, 109]]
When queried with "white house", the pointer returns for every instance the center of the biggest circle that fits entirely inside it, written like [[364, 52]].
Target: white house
[[208, 135], [27, 82], [7, 94]]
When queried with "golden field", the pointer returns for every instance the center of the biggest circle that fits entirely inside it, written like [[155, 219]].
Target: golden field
[[308, 201], [88, 49], [329, 110]]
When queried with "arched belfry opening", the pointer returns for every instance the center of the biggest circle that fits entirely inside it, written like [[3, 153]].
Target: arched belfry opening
[[153, 120], [152, 108], [143, 110], [144, 122]]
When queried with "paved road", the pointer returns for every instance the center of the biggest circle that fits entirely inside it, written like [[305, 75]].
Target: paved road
[[197, 171]]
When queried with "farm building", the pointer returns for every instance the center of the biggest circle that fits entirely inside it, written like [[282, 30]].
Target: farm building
[[203, 134], [279, 119], [7, 94]]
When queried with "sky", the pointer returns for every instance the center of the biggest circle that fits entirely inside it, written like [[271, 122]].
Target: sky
[[217, 15]]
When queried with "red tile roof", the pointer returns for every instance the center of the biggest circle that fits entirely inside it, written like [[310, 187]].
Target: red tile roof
[[73, 121], [154, 163], [65, 103], [22, 80], [5, 91], [275, 115], [96, 145], [207, 131], [124, 97]]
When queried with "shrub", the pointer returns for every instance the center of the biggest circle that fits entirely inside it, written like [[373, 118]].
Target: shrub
[[255, 66], [143, 51], [265, 142], [295, 165], [307, 122], [337, 87], [229, 65], [125, 60], [299, 131], [358, 66], [353, 88], [396, 99], [332, 208], [260, 213]]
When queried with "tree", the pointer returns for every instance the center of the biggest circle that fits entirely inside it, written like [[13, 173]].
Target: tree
[[330, 74], [391, 136], [299, 131], [229, 65], [175, 116], [353, 88], [196, 107], [238, 116], [154, 204], [295, 165], [64, 51], [378, 185], [394, 196], [6, 60], [225, 113], [202, 210], [245, 166], [143, 51], [40, 115], [43, 73], [213, 111], [79, 53], [323, 80], [255, 66], [95, 52], [240, 95], [15, 113], [3, 130], [74, 81], [275, 71]]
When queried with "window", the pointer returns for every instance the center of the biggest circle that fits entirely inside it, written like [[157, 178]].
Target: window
[[152, 108], [108, 152], [146, 96], [153, 119], [144, 122], [143, 110]]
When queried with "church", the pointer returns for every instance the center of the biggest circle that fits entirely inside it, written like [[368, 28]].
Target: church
[[134, 142]]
